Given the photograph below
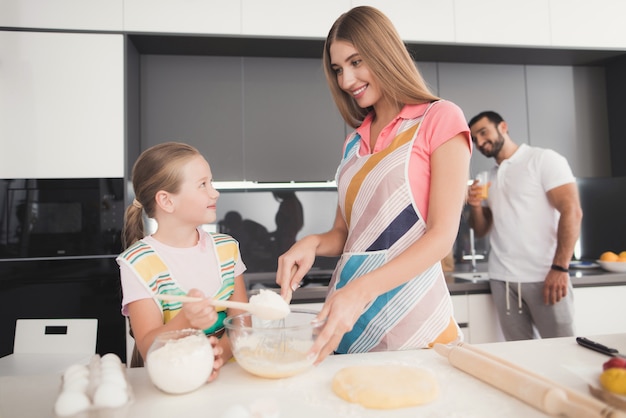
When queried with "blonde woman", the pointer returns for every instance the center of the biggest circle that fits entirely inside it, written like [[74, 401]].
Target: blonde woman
[[401, 184]]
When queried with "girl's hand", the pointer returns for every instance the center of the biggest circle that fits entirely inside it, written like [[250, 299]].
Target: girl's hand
[[201, 315], [341, 310], [218, 362]]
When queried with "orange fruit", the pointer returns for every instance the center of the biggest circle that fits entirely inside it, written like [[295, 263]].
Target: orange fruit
[[622, 257], [609, 256], [614, 380]]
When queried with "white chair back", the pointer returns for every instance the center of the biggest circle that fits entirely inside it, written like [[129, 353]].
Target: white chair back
[[55, 336]]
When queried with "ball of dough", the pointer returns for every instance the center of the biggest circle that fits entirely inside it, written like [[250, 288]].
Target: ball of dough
[[385, 386]]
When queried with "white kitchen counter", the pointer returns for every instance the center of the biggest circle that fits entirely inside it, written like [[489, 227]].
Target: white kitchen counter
[[310, 394]]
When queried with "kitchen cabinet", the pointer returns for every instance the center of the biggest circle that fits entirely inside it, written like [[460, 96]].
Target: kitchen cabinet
[[418, 20], [502, 86], [554, 23], [190, 16], [476, 316], [487, 22], [579, 23], [197, 100], [259, 119], [292, 129], [62, 105], [599, 310], [556, 120], [461, 313], [430, 73], [483, 321], [104, 15], [289, 18], [557, 107]]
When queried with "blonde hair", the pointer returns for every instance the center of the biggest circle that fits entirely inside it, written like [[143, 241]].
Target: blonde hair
[[375, 38], [157, 168]]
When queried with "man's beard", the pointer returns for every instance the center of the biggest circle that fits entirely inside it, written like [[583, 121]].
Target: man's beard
[[496, 147]]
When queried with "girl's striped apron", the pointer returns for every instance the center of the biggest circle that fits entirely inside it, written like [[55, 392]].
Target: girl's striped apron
[[154, 274], [377, 204]]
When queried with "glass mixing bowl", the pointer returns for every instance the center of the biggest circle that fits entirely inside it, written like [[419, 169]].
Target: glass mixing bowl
[[273, 348], [180, 361]]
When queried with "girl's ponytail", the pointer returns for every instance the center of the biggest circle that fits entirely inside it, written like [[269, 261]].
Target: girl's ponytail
[[133, 224]]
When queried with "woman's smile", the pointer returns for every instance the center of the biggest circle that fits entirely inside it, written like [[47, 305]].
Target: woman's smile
[[359, 92]]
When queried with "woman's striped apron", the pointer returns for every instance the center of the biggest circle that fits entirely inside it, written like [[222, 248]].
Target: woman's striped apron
[[377, 204]]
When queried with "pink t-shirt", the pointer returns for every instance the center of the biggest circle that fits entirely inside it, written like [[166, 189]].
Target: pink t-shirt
[[444, 121], [195, 267]]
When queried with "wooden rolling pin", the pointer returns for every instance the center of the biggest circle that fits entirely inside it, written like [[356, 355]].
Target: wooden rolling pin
[[539, 393], [601, 408]]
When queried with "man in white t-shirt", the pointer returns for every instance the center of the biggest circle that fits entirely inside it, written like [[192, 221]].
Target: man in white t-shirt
[[533, 215]]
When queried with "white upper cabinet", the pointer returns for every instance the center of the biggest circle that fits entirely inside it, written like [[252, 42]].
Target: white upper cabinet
[[104, 15], [502, 23], [577, 23], [310, 19], [418, 20], [61, 105], [186, 16]]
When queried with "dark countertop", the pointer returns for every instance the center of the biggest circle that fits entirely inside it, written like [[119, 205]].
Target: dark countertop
[[589, 277], [315, 284]]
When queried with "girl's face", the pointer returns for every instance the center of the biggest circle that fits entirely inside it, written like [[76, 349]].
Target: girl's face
[[195, 202], [353, 75]]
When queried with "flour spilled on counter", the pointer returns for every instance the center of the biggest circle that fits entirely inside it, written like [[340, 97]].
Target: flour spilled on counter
[[260, 408]]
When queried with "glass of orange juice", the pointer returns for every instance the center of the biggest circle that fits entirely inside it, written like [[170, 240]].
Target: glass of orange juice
[[483, 182]]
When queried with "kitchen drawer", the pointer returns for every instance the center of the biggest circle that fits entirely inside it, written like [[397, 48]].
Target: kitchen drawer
[[460, 304]]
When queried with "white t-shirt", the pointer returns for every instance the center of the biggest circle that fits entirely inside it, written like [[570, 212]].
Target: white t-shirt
[[194, 267], [523, 236]]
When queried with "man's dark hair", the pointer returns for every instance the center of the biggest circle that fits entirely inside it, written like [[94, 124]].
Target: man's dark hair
[[494, 117]]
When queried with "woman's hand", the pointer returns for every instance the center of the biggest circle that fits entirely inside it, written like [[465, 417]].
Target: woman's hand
[[341, 311], [218, 362], [294, 264], [201, 315]]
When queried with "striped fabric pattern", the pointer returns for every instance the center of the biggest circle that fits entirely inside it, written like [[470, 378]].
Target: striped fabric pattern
[[151, 269], [376, 201]]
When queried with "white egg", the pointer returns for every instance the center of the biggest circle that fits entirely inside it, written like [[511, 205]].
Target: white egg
[[70, 403], [236, 411], [110, 366], [115, 379], [110, 396], [94, 361], [77, 384], [74, 371], [110, 358]]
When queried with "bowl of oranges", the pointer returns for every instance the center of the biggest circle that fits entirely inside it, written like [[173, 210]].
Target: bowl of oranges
[[613, 262]]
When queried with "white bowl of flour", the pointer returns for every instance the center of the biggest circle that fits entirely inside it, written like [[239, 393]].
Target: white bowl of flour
[[180, 361]]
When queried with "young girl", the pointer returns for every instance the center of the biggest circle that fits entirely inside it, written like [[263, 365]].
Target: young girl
[[172, 184], [401, 186]]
